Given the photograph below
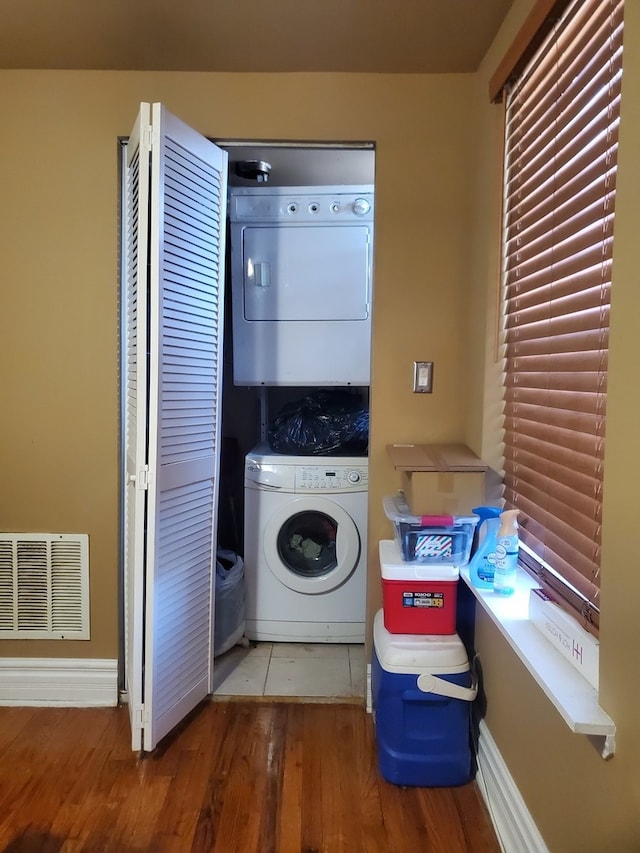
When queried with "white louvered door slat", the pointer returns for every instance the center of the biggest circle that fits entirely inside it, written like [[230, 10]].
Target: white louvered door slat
[[187, 244]]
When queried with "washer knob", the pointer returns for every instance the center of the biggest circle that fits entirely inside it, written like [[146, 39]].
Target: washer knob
[[361, 206], [353, 477]]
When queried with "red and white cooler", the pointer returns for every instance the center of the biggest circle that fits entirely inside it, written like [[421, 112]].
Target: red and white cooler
[[417, 598]]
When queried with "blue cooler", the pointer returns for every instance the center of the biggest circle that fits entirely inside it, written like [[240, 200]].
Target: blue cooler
[[422, 688]]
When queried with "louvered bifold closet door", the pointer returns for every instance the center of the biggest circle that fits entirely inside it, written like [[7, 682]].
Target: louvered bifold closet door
[[136, 215], [187, 236]]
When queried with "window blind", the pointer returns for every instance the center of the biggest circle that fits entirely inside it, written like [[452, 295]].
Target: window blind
[[562, 117]]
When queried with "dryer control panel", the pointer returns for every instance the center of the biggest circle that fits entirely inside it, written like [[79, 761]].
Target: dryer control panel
[[301, 205], [340, 478]]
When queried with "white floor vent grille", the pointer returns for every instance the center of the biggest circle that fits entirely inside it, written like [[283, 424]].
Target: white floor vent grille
[[44, 586]]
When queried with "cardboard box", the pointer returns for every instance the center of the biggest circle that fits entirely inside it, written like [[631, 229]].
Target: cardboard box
[[446, 479], [577, 645]]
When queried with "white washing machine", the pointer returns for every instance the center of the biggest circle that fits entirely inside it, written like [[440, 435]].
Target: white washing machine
[[305, 545]]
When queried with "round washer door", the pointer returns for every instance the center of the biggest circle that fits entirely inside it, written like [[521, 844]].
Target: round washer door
[[311, 545]]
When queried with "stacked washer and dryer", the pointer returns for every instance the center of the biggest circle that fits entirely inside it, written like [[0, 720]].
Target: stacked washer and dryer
[[301, 275]]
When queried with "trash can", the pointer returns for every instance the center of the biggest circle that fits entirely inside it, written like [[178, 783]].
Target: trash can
[[422, 688], [230, 609]]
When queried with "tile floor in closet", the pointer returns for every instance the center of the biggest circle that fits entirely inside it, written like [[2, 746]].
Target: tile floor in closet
[[306, 670]]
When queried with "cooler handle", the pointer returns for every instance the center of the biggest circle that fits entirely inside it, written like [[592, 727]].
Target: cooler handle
[[429, 683]]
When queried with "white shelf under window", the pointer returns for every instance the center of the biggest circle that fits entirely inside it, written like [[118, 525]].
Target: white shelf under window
[[571, 694]]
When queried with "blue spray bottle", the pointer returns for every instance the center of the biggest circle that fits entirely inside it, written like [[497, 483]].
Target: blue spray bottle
[[482, 563], [504, 579]]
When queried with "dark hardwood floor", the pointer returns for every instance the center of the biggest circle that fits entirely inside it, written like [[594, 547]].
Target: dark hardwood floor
[[236, 777]]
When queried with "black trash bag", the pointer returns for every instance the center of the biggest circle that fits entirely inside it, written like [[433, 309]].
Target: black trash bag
[[322, 423]]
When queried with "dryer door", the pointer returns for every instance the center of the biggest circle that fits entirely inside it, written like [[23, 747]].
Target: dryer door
[[306, 273], [311, 545]]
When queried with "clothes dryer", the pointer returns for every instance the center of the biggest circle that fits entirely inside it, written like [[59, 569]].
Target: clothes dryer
[[301, 278], [305, 547]]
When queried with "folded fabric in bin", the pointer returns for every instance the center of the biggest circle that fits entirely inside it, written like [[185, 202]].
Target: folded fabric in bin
[[433, 545]]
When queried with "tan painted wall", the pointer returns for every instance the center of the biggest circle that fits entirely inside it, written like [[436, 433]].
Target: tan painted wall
[[59, 249], [580, 803]]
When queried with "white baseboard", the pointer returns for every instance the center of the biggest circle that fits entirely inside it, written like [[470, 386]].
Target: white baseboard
[[68, 682], [512, 822]]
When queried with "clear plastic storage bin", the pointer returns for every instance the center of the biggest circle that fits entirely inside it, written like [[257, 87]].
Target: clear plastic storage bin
[[430, 539]]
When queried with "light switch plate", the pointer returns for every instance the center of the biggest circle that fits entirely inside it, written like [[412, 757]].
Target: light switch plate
[[423, 377]]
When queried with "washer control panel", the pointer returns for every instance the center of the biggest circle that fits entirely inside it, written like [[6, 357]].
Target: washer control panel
[[337, 478]]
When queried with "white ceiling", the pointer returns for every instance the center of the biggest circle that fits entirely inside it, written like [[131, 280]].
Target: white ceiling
[[383, 36]]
